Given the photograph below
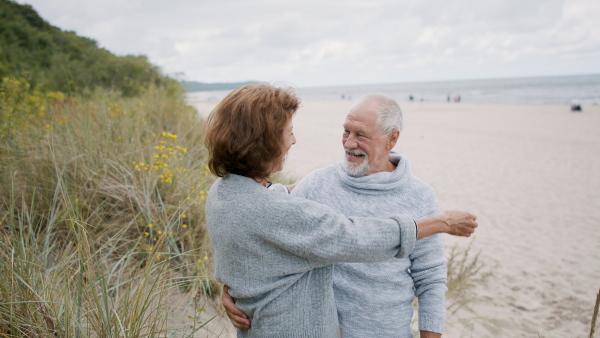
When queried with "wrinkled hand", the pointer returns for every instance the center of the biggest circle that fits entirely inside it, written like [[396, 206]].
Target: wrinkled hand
[[237, 317], [428, 334], [458, 223]]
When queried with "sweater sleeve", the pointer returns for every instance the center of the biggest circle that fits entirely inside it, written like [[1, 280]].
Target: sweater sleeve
[[324, 237], [429, 273]]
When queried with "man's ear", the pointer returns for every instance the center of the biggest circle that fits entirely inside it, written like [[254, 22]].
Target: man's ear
[[393, 139]]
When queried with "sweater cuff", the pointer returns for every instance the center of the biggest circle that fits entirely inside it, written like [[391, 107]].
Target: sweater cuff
[[408, 236], [279, 188], [416, 229], [431, 324]]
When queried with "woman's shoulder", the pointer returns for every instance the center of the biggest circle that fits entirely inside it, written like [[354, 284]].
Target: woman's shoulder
[[245, 194]]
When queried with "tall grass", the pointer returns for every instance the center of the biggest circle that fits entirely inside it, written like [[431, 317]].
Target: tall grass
[[102, 218], [466, 272], [595, 315]]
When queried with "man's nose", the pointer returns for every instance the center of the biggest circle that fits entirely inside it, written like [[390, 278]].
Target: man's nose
[[350, 142], [293, 139]]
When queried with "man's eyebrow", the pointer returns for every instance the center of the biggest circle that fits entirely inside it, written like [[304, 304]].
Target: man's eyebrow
[[358, 131]]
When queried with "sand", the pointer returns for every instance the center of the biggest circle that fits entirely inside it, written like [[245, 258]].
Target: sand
[[532, 175]]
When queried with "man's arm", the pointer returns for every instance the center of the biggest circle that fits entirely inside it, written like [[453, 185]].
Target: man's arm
[[429, 274]]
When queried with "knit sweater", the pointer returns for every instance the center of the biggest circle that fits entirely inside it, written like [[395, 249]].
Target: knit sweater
[[375, 299], [275, 252]]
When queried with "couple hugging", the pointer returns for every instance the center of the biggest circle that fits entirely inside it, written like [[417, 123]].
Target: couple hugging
[[341, 254]]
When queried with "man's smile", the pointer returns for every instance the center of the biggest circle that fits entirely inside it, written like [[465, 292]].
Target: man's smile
[[353, 155]]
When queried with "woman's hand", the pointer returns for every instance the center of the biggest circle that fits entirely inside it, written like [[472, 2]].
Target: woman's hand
[[237, 317], [458, 223], [453, 222]]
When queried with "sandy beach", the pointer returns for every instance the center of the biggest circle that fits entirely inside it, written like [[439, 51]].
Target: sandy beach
[[532, 175]]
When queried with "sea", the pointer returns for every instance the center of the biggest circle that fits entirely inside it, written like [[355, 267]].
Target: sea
[[556, 90]]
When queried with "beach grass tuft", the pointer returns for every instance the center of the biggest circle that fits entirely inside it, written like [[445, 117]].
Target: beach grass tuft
[[595, 315], [465, 272], [101, 214]]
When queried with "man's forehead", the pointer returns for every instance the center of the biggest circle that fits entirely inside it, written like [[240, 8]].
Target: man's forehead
[[362, 120]]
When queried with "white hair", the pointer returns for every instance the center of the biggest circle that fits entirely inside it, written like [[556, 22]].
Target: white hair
[[389, 114]]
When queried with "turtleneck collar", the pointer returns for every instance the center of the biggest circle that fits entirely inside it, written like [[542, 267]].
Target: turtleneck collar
[[378, 182]]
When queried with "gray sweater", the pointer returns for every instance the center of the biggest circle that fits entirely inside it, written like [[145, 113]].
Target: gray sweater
[[375, 299], [275, 252]]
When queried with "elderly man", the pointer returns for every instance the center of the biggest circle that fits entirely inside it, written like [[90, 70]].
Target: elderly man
[[375, 299]]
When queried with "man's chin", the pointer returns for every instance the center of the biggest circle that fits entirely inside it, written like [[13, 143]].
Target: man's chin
[[355, 169]]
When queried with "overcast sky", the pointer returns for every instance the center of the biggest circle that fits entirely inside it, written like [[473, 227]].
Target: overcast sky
[[327, 42]]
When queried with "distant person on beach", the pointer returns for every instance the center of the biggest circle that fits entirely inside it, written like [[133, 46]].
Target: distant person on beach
[[375, 299]]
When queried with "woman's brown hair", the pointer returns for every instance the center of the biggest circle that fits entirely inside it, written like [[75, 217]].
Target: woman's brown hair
[[244, 132]]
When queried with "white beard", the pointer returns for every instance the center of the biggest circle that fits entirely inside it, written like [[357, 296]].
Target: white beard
[[357, 169]]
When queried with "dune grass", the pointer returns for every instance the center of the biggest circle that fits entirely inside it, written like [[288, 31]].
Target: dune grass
[[101, 216], [595, 315], [466, 272]]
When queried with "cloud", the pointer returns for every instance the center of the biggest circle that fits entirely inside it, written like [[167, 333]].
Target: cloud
[[318, 42]]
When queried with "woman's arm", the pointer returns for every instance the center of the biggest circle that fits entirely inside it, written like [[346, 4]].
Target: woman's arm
[[457, 223]]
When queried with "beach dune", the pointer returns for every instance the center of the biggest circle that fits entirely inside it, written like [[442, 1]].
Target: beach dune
[[531, 173]]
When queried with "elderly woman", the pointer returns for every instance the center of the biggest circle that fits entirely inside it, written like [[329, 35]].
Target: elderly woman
[[273, 250]]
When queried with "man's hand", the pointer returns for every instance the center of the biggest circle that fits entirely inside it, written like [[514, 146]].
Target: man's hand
[[453, 222], [237, 317], [428, 334]]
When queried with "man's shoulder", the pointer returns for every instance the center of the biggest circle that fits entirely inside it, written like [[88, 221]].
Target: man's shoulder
[[419, 183], [322, 174], [312, 183]]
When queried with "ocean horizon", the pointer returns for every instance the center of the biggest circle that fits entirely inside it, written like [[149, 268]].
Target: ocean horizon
[[554, 90]]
